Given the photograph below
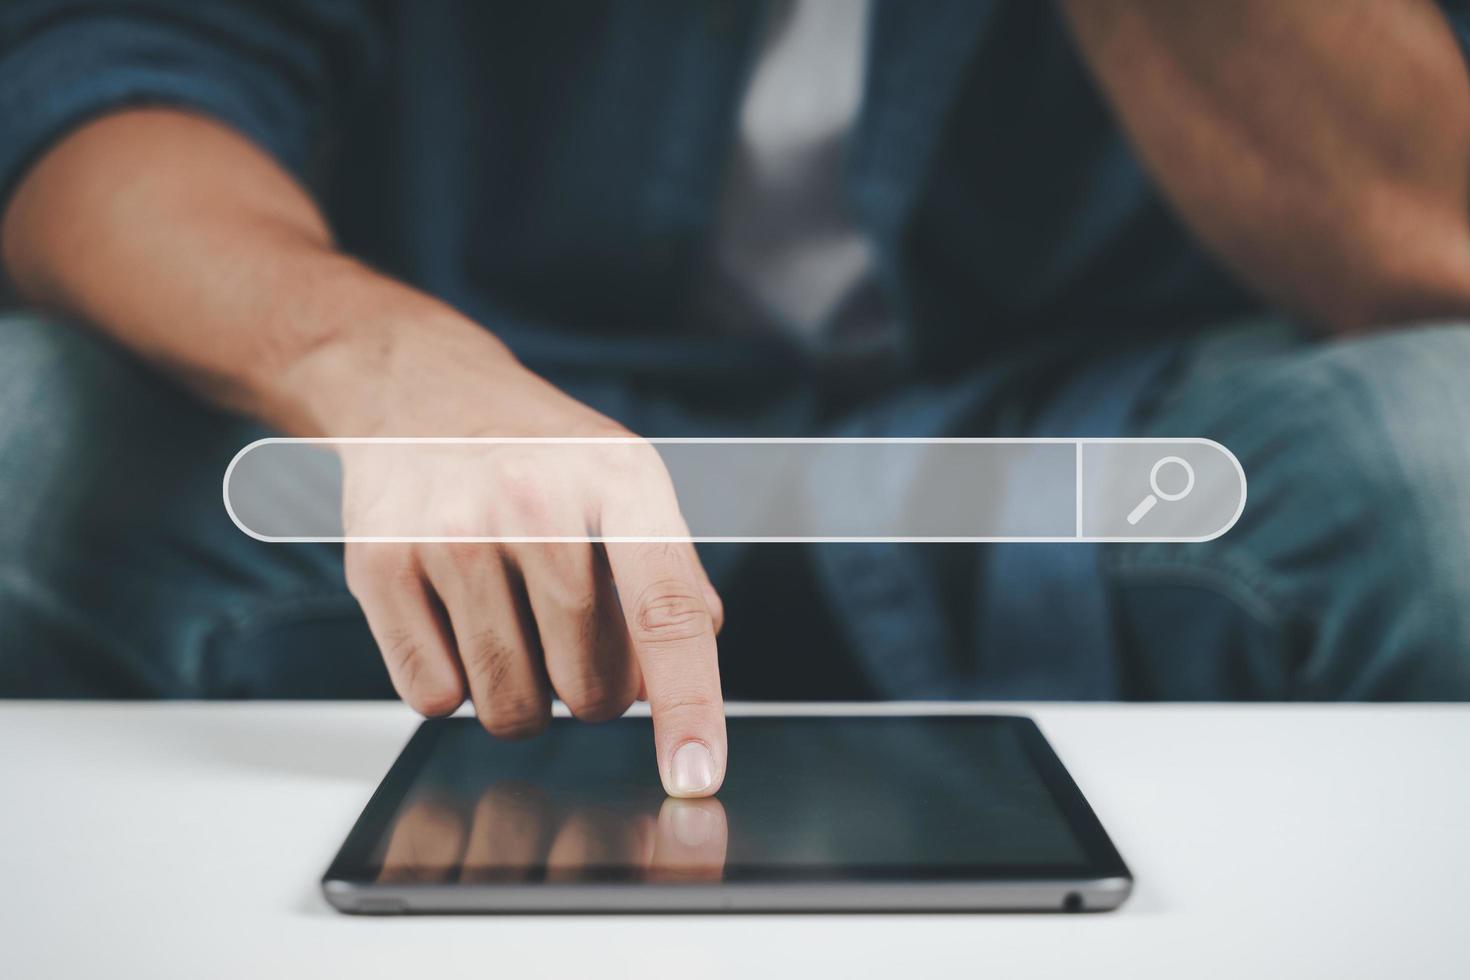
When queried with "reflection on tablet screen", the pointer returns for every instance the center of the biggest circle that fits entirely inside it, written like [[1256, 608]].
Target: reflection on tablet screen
[[906, 795]]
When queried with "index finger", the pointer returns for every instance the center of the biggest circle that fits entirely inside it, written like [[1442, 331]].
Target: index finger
[[673, 636]]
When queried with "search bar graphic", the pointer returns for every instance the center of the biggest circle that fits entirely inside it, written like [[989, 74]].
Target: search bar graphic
[[817, 490]]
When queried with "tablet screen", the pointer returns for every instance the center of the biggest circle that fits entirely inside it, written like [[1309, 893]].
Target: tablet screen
[[805, 798]]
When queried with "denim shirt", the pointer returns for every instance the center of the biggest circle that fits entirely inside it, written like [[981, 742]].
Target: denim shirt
[[551, 168]]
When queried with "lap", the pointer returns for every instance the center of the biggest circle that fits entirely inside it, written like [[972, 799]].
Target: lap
[[1348, 574]]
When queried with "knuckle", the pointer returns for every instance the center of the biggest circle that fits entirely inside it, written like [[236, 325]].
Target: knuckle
[[670, 612], [568, 596], [513, 715], [716, 607], [463, 555], [436, 699], [521, 494], [680, 699], [508, 707], [427, 691], [592, 699], [490, 659], [431, 695], [631, 461], [402, 651], [514, 468], [685, 705], [456, 519], [366, 565]]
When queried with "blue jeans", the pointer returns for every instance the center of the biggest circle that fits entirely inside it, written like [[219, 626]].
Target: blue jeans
[[1348, 575]]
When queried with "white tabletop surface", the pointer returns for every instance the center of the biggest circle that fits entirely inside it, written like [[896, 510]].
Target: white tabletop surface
[[187, 839]]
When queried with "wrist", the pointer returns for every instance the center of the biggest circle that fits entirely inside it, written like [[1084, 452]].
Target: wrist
[[375, 362]]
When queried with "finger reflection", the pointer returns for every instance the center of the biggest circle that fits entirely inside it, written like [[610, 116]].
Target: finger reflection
[[691, 840], [600, 839], [427, 842], [515, 832], [508, 833]]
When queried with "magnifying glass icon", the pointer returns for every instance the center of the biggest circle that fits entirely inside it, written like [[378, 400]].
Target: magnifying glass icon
[[1148, 503]]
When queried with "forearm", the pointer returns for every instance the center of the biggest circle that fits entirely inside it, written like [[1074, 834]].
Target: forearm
[[187, 244], [1321, 150], [182, 241]]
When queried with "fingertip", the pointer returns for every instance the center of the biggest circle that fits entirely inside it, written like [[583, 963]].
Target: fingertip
[[693, 771]]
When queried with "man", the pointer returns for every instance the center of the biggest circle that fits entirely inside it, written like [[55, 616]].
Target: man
[[583, 219]]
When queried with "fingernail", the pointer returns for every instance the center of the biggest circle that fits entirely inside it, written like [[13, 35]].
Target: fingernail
[[692, 824], [692, 769]]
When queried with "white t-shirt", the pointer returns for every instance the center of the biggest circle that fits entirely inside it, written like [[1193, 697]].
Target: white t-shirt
[[786, 253]]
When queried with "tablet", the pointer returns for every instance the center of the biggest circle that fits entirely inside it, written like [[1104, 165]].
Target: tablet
[[817, 813]]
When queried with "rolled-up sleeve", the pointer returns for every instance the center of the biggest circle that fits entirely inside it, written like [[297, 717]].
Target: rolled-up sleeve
[[273, 71]]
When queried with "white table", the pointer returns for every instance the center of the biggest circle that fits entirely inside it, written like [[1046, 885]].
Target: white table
[[187, 839]]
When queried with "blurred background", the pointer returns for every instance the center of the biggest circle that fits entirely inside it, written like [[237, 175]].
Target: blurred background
[[995, 218]]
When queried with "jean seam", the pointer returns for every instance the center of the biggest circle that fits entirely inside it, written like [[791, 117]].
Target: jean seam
[[1254, 587], [1419, 521], [1421, 518]]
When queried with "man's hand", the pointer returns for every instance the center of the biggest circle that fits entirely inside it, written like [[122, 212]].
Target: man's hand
[[508, 624], [205, 257]]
